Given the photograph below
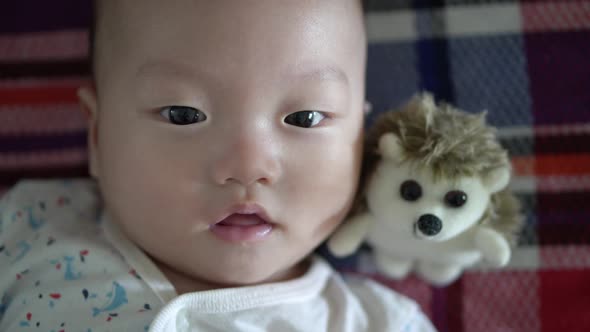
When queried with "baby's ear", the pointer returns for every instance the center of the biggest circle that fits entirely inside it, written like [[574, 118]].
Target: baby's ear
[[497, 179], [390, 147], [88, 104]]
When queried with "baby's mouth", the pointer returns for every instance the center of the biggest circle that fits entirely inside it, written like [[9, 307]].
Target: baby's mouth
[[242, 220], [242, 227]]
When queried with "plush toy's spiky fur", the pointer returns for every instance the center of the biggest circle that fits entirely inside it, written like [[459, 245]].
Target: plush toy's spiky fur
[[452, 144], [504, 215]]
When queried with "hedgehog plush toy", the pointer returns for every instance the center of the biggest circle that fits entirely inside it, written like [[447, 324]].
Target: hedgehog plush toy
[[433, 196]]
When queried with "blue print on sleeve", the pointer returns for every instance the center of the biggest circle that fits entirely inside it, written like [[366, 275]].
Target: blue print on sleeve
[[24, 250], [35, 223], [4, 303], [70, 274], [118, 298]]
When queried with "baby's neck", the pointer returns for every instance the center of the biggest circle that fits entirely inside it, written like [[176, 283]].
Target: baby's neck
[[184, 283]]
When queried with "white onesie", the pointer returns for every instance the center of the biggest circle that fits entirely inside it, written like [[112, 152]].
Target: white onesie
[[63, 267]]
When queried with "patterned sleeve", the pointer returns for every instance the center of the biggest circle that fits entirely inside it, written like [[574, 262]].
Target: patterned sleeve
[[14, 244], [58, 271]]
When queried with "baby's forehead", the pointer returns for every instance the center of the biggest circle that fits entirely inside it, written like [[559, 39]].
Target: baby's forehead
[[120, 18], [226, 33]]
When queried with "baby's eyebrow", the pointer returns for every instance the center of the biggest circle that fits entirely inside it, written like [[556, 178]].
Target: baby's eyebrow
[[163, 67], [323, 73], [307, 72]]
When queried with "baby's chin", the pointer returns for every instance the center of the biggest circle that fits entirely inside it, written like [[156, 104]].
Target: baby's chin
[[227, 277], [225, 280]]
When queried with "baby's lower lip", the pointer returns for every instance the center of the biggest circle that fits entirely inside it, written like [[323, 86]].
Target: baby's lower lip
[[242, 228]]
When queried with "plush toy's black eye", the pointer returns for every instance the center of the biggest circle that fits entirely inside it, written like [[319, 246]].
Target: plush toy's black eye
[[410, 190], [455, 198]]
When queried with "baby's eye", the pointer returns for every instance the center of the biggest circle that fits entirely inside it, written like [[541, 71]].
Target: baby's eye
[[305, 119], [183, 115]]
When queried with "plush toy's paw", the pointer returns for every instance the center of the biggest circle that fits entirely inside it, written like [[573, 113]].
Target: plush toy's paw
[[493, 246], [439, 274], [349, 236], [393, 267], [341, 246]]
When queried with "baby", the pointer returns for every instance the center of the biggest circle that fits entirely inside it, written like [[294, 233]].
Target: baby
[[224, 142]]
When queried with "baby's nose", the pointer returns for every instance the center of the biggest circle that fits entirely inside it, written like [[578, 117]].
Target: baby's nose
[[251, 157]]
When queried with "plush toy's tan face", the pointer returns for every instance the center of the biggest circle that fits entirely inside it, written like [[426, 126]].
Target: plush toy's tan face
[[408, 201]]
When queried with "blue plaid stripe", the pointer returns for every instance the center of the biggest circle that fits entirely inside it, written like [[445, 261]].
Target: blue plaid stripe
[[490, 72]]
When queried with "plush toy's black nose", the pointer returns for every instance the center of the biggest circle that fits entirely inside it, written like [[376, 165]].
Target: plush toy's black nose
[[429, 225]]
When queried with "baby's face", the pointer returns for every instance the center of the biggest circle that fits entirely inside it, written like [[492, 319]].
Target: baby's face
[[229, 132]]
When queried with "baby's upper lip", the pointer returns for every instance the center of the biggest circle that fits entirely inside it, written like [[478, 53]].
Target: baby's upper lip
[[246, 208]]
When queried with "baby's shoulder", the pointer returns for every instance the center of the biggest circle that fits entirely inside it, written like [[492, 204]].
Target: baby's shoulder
[[34, 189], [32, 206], [51, 194]]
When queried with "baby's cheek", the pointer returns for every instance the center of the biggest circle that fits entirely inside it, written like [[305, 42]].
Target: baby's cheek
[[133, 183], [327, 185]]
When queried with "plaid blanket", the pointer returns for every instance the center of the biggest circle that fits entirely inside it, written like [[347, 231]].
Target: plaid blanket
[[526, 62]]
